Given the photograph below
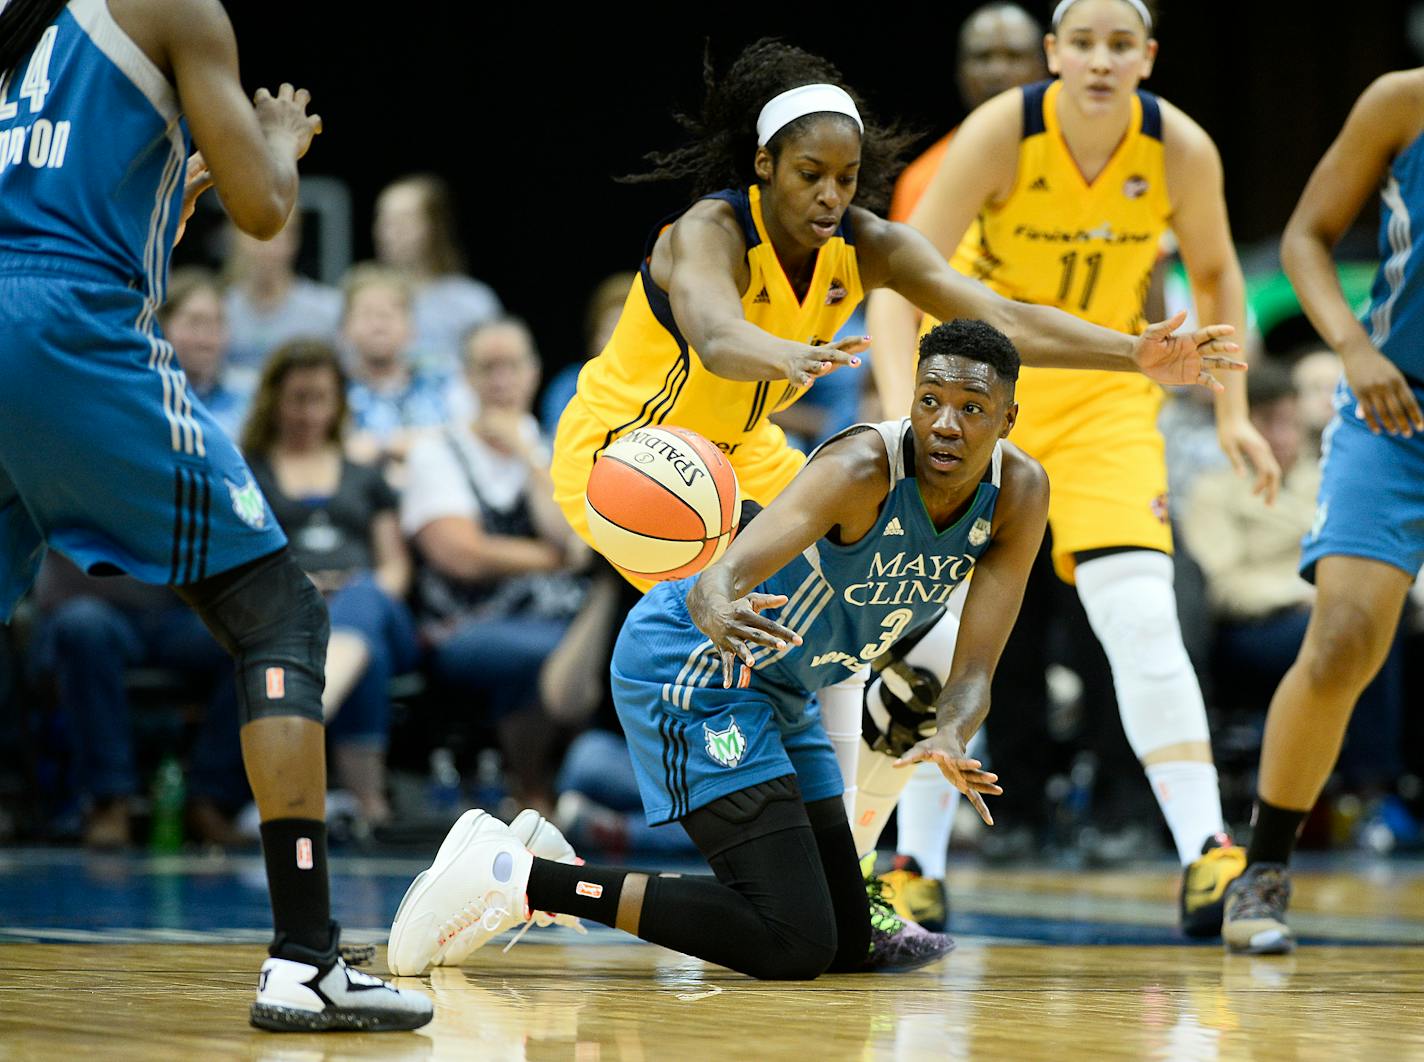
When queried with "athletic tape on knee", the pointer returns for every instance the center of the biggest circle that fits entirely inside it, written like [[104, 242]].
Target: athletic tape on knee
[[1133, 611], [274, 624]]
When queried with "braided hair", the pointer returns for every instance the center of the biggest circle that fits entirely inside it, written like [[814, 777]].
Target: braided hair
[[21, 23]]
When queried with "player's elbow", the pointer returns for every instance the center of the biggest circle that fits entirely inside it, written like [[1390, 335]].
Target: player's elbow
[[262, 220]]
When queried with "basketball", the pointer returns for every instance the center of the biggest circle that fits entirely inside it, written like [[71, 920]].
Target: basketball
[[663, 503]]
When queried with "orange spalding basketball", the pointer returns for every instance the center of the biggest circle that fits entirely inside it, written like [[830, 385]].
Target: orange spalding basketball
[[663, 503]]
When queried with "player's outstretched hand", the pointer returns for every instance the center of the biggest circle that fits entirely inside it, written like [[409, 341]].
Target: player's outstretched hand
[[810, 362], [286, 113], [1382, 394], [1187, 359], [735, 626], [1248, 451], [964, 773]]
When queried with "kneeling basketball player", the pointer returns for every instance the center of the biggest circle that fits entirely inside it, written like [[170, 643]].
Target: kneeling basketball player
[[868, 541]]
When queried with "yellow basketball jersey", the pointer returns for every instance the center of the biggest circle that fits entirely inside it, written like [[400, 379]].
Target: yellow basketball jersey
[[647, 374], [1059, 240]]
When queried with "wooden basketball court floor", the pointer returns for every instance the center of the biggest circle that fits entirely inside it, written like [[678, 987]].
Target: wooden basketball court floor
[[145, 958]]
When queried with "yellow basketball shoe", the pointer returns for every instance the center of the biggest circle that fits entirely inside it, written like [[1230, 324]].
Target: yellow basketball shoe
[[1204, 884], [914, 896]]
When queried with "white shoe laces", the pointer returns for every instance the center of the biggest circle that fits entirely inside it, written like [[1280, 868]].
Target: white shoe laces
[[488, 916]]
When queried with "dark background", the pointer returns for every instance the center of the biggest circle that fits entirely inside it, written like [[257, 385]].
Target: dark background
[[530, 113]]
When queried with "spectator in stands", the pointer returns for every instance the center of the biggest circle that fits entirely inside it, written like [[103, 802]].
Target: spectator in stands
[[415, 234], [1250, 554], [600, 318], [90, 633], [341, 519], [1316, 373], [496, 588], [193, 320], [392, 401], [268, 302]]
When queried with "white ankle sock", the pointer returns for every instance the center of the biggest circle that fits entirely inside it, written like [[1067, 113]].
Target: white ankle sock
[[1190, 801]]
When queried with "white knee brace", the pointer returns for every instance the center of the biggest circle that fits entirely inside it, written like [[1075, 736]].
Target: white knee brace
[[1133, 610]]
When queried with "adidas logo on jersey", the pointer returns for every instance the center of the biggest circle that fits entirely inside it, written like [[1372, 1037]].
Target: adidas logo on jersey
[[762, 296], [893, 527], [1039, 185]]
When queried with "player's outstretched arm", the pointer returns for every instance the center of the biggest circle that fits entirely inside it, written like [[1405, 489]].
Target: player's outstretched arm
[[251, 148], [707, 254], [1045, 337], [992, 606], [845, 485], [1383, 121]]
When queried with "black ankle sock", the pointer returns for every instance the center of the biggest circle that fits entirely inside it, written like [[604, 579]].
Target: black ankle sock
[[1273, 833], [586, 892], [295, 853]]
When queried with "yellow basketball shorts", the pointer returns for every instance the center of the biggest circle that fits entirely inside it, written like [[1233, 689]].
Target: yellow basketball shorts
[[1095, 433], [764, 462]]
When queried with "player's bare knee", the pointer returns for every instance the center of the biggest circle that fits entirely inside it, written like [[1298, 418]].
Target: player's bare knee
[[1345, 646], [273, 622]]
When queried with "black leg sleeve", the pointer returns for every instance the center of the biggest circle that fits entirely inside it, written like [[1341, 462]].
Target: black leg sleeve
[[836, 845]]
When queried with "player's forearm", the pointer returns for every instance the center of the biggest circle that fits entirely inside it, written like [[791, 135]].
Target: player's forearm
[[1308, 262], [893, 323], [1221, 296], [1051, 339], [739, 350], [963, 705]]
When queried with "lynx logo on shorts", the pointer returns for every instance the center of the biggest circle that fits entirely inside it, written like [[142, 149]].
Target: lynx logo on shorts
[[247, 503], [728, 746]]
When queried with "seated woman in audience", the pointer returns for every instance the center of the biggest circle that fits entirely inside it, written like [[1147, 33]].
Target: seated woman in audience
[[268, 302], [601, 315], [392, 401], [496, 587], [341, 520]]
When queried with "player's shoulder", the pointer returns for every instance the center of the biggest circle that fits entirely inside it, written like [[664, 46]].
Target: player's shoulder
[[858, 457], [1181, 132], [163, 28], [1393, 102], [1022, 479]]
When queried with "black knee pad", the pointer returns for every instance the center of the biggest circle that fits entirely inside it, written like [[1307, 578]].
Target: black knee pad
[[273, 623], [745, 815]]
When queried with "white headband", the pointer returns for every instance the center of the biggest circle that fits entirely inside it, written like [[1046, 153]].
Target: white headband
[[1137, 5], [795, 103]]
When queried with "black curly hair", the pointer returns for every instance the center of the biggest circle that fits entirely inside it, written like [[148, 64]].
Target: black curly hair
[[975, 340], [724, 135]]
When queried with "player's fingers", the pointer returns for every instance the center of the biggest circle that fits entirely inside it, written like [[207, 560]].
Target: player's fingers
[[1383, 404], [1394, 403], [286, 91], [1232, 449], [981, 807], [1204, 336], [758, 635], [1215, 356], [852, 344], [1167, 327], [301, 97], [727, 658], [915, 755], [1210, 382], [314, 120], [1411, 405], [836, 357], [261, 96], [757, 602]]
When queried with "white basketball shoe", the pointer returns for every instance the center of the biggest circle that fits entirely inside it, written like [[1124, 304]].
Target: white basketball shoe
[[474, 889], [543, 840], [300, 997]]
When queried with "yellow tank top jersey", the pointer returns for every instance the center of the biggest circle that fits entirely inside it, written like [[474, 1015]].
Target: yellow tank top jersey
[[647, 373], [1059, 240]]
